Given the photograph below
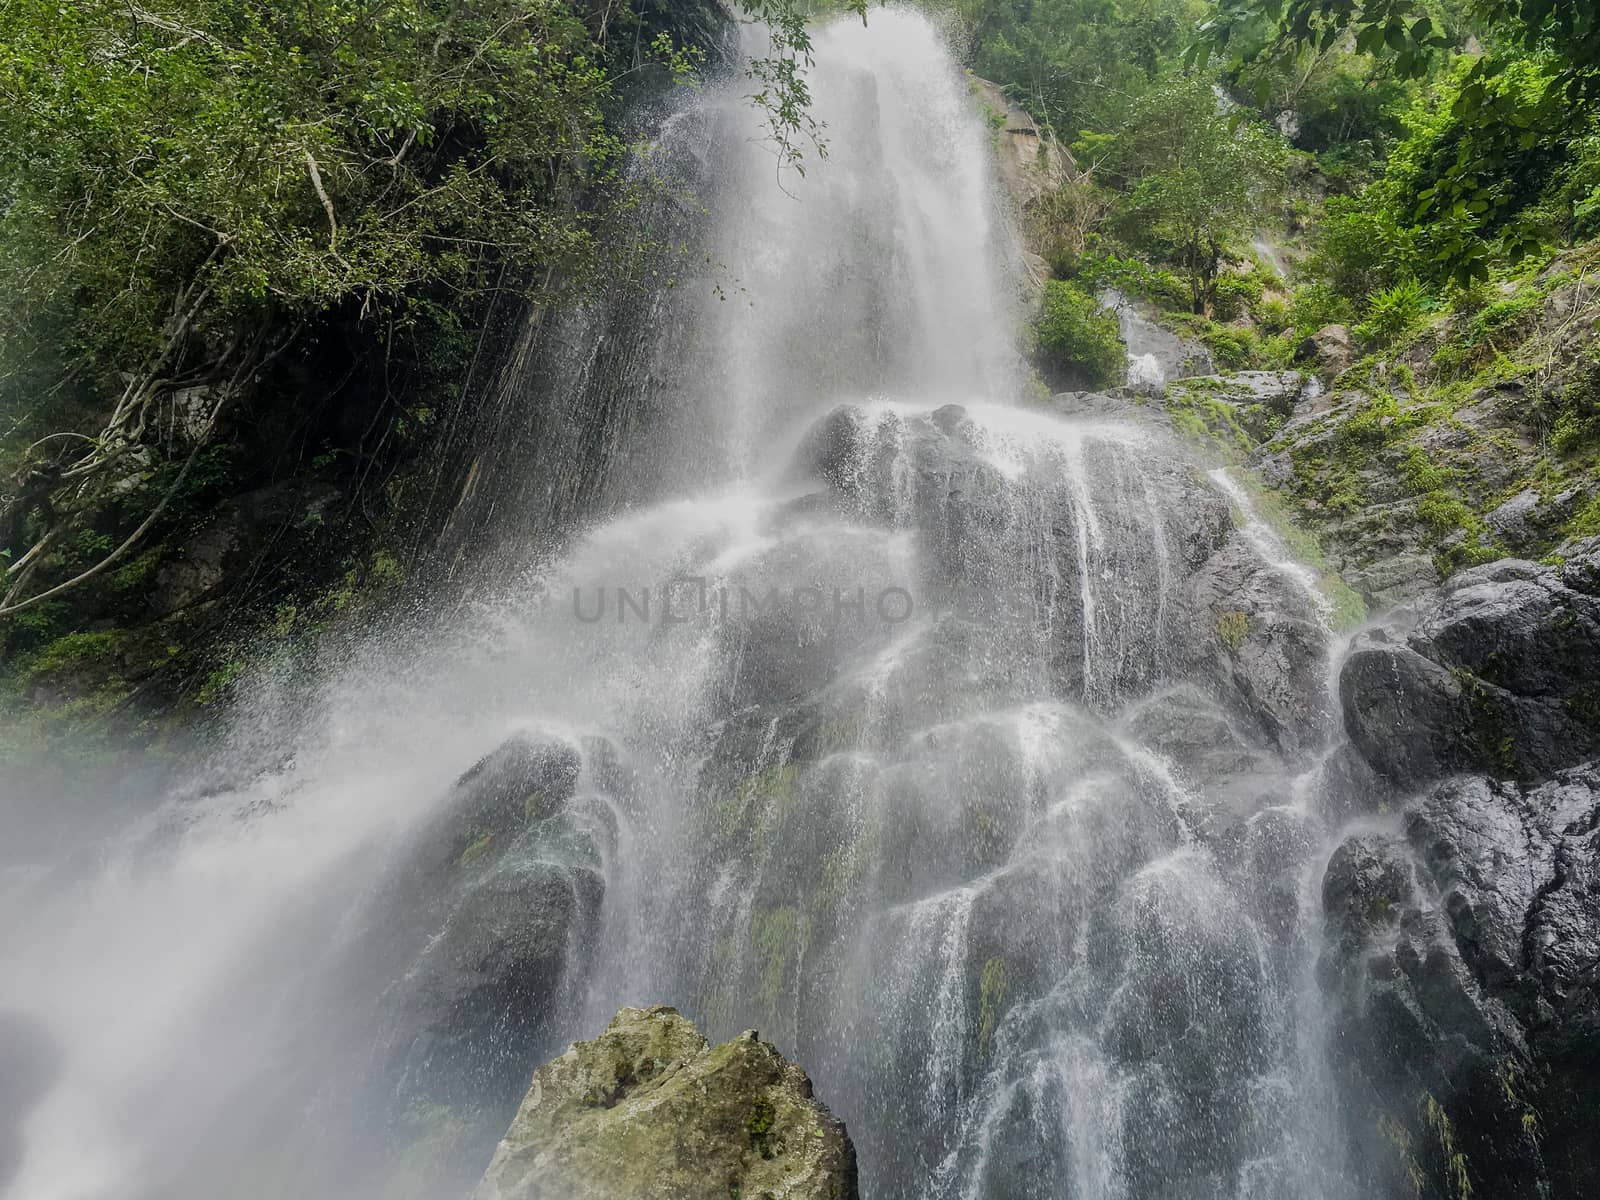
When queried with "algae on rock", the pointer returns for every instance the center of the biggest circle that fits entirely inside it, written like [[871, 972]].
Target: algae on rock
[[649, 1110]]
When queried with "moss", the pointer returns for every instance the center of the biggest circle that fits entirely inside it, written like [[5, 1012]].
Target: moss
[[1458, 1177], [994, 987], [1586, 522], [77, 650], [138, 573], [1232, 629], [478, 843], [1201, 416], [1422, 473], [758, 1125], [1486, 727], [219, 683], [1348, 609], [759, 804]]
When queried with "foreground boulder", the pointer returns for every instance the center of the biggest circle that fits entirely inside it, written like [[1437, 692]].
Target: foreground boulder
[[649, 1110]]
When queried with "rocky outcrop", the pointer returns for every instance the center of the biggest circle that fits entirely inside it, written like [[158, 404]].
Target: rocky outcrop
[[1329, 350], [1496, 676], [1463, 955], [649, 1110], [1031, 164], [489, 921], [1262, 401], [235, 536]]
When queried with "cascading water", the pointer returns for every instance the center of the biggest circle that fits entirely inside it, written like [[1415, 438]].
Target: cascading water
[[1156, 356], [951, 742]]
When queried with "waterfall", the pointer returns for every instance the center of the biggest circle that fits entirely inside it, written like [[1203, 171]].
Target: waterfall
[[952, 741], [1156, 355]]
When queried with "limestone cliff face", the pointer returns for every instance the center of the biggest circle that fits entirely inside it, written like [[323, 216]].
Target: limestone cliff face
[[649, 1110]]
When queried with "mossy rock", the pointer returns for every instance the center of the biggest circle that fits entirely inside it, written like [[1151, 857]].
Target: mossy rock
[[650, 1111]]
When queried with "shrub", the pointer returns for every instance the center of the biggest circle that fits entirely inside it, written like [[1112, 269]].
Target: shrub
[[1395, 310], [1134, 278], [1318, 304], [1079, 341], [1237, 294], [1231, 349]]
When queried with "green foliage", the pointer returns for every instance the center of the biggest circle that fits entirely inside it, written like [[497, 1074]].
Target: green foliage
[[782, 92], [1234, 348], [255, 161], [1196, 180], [1497, 156], [1316, 305], [1072, 62], [1395, 311], [994, 988], [1133, 277], [1079, 341], [1237, 294]]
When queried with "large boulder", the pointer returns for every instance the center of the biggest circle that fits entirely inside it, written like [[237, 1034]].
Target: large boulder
[[1463, 957], [1497, 675], [1329, 349], [649, 1110], [488, 923]]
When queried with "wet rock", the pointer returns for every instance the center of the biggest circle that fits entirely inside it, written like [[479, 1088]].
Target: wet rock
[[1069, 546], [1264, 399], [1462, 953], [1497, 675], [1156, 355], [1267, 647], [233, 537], [1390, 581], [1329, 348], [489, 920], [650, 1111]]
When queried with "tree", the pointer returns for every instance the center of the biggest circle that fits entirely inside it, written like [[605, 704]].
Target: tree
[[187, 188], [1079, 342], [1549, 50], [1075, 63], [1195, 179]]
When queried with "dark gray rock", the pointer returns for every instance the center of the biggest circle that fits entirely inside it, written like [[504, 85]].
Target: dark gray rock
[[1462, 958], [232, 538], [489, 920], [1500, 674], [1268, 648]]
